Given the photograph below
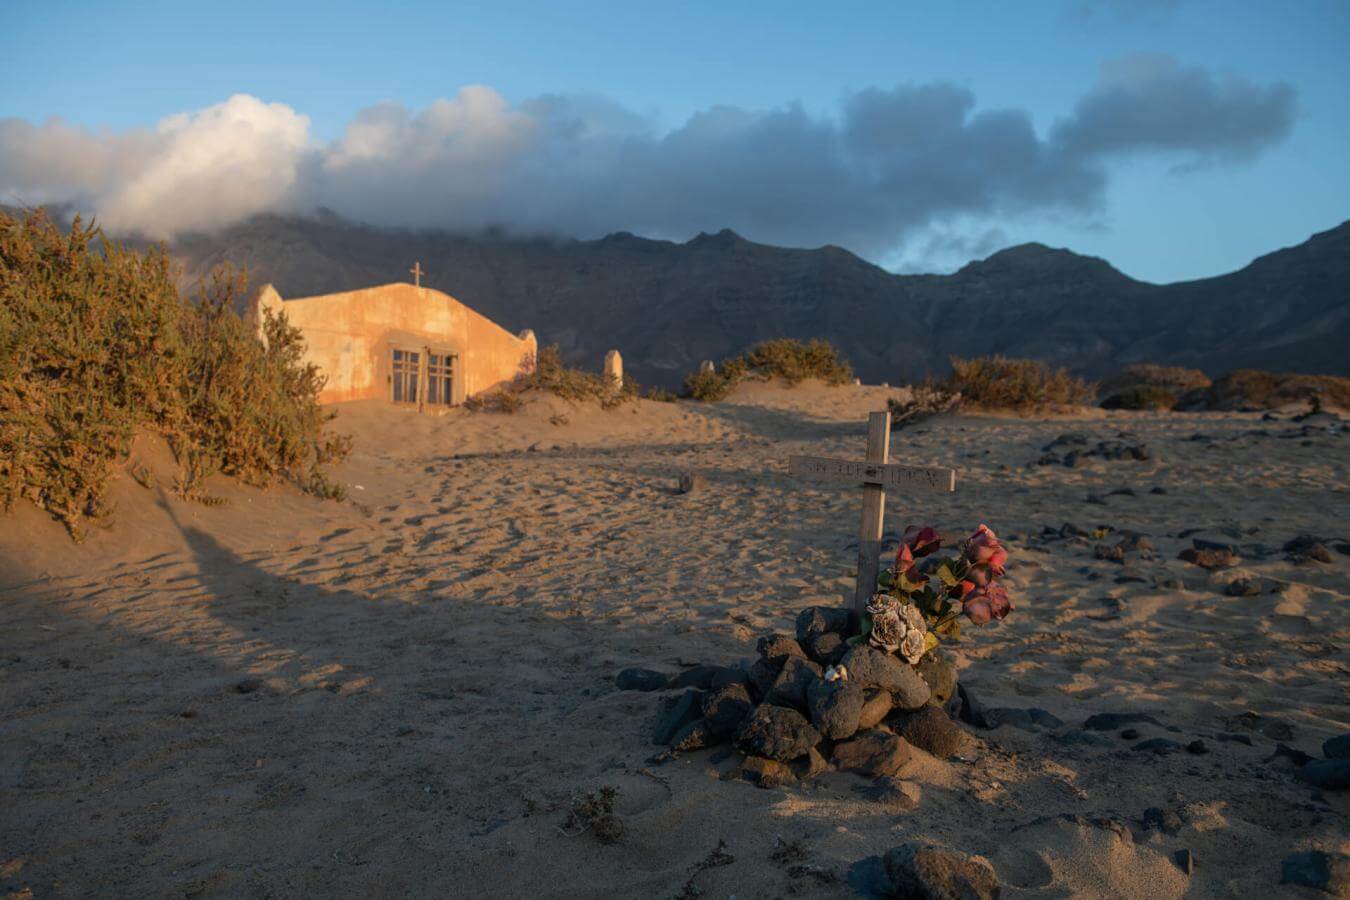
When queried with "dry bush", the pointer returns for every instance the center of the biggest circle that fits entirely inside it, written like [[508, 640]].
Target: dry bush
[[1254, 389], [1022, 385], [1142, 396], [927, 399], [1176, 379], [96, 344], [791, 360], [548, 374]]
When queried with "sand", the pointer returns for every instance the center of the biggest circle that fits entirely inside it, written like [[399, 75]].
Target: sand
[[406, 693]]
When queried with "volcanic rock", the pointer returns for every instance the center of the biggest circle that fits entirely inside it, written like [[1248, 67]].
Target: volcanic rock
[[926, 872], [835, 707], [777, 733], [725, 708], [875, 752], [869, 667], [876, 706], [640, 680], [932, 730], [789, 689]]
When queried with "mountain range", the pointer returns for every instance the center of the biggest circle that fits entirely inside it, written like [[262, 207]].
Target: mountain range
[[667, 305]]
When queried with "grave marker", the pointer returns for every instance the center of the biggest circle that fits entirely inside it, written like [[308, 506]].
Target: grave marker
[[875, 474]]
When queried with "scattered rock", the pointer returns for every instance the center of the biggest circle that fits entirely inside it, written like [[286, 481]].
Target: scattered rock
[[1337, 747], [691, 483], [1328, 774], [926, 872], [776, 648], [939, 673], [873, 753], [1185, 861], [790, 687], [932, 730], [893, 793], [835, 707], [1159, 489], [1164, 820], [1026, 719], [1197, 747], [1246, 586], [1293, 754], [1209, 559], [1084, 738], [1113, 721], [1129, 734], [777, 733], [1158, 745], [641, 680], [766, 773], [869, 667], [876, 706], [248, 686], [725, 708], [1307, 547], [678, 712], [1316, 869]]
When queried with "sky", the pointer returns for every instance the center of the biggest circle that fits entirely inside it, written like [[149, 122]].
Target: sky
[[1176, 138]]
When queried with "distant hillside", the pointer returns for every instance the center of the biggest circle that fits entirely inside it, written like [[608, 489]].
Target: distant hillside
[[667, 306]]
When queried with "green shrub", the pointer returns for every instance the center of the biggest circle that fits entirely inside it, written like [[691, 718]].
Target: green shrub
[[1254, 389], [1144, 396], [996, 382], [791, 360], [95, 344], [660, 395]]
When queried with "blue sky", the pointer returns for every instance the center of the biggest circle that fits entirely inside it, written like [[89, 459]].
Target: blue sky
[[1161, 206]]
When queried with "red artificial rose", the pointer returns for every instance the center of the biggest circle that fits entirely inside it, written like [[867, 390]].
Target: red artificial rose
[[921, 539]]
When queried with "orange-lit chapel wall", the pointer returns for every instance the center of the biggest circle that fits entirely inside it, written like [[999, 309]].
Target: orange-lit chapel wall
[[350, 336]]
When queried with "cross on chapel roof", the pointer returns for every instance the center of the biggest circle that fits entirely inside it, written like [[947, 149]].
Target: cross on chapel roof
[[416, 271]]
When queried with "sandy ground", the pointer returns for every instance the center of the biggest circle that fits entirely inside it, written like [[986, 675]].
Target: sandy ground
[[405, 693]]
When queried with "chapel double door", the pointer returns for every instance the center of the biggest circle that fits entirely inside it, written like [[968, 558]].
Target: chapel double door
[[423, 376]]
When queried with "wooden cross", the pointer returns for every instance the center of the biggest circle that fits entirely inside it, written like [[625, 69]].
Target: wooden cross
[[876, 474], [416, 271]]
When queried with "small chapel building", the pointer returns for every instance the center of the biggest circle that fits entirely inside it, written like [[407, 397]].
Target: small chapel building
[[403, 343]]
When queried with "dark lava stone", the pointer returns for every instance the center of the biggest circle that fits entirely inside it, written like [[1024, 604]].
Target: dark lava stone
[[776, 732], [776, 648], [816, 620], [835, 707], [678, 712], [931, 729], [870, 667], [789, 689], [1328, 774], [709, 677], [640, 680], [926, 872], [939, 674], [726, 708]]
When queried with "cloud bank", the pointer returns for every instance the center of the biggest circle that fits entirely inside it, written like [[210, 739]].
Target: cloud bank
[[889, 163]]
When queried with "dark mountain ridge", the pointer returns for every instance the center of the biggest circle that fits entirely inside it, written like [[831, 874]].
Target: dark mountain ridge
[[668, 305]]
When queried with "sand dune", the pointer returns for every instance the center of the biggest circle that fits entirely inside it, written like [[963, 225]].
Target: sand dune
[[407, 692]]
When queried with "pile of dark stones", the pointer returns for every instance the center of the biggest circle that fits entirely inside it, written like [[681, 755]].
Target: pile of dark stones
[[792, 722]]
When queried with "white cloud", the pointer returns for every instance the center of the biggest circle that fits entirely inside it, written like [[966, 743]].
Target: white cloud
[[891, 163]]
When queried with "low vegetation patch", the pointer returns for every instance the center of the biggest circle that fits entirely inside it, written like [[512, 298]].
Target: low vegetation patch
[[788, 359], [1254, 389], [96, 344], [1022, 385], [1150, 386], [549, 375]]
